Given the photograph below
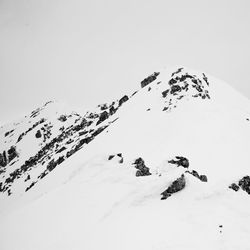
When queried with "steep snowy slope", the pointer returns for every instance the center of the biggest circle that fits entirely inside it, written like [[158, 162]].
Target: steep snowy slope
[[35, 145], [167, 173]]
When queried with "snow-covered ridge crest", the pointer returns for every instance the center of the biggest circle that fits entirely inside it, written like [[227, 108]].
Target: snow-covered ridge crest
[[35, 145]]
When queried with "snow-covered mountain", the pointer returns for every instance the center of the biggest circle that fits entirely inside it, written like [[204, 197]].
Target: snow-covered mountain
[[164, 168]]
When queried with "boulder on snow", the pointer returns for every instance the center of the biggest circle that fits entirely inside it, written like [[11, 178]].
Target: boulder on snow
[[164, 93], [142, 169], [111, 157], [180, 161], [175, 187], [235, 187], [119, 155], [38, 134]]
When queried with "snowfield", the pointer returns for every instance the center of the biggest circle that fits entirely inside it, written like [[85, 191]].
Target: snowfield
[[98, 198]]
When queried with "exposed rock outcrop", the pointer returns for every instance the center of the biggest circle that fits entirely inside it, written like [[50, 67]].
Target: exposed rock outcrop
[[149, 79], [142, 169], [180, 161], [175, 187]]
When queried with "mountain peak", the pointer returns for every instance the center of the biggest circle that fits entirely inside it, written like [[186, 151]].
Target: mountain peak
[[177, 147]]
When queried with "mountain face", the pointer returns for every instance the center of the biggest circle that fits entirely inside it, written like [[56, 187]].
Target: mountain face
[[164, 168]]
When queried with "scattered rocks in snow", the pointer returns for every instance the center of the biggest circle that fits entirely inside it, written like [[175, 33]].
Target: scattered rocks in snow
[[118, 155], [182, 84], [175, 187], [201, 177], [149, 79], [180, 161], [244, 184], [142, 169]]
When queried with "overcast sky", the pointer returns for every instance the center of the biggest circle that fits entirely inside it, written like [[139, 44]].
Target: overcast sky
[[87, 52]]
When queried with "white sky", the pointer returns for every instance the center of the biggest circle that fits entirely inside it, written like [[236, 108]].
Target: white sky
[[87, 52]]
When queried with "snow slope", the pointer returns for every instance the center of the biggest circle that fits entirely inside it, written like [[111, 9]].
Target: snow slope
[[91, 201]]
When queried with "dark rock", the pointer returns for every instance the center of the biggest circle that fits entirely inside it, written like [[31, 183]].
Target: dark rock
[[234, 186], [175, 187], [9, 132], [51, 165], [149, 88], [61, 149], [30, 186], [123, 99], [244, 183], [165, 93], [97, 132], [149, 79], [104, 106], [177, 71], [27, 178], [103, 116], [205, 79], [83, 132], [175, 88], [3, 159], [201, 177], [38, 134], [138, 173], [12, 153], [180, 161], [62, 118], [142, 169], [172, 81], [111, 157], [112, 110]]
